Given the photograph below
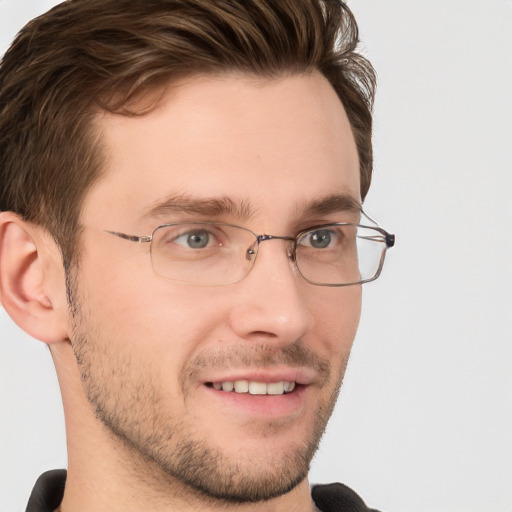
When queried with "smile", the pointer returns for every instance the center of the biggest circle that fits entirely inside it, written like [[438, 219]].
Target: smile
[[255, 388]]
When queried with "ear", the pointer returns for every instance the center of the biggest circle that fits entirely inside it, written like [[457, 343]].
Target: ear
[[32, 282]]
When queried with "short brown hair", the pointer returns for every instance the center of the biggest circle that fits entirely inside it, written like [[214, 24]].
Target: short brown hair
[[86, 55]]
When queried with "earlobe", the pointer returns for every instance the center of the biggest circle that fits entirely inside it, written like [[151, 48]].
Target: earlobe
[[26, 289]]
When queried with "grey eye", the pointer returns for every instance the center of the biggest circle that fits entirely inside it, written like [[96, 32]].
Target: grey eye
[[320, 239], [198, 239]]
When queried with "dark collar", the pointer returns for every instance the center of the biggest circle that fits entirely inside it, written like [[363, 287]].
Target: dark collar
[[48, 491], [338, 498]]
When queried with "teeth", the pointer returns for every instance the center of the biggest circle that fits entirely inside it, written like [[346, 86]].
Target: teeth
[[255, 388], [276, 388], [227, 386], [289, 387], [241, 386]]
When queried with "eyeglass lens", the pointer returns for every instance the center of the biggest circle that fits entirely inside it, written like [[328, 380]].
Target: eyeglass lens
[[216, 254]]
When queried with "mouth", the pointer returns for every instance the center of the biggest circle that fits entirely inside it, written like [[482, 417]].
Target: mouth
[[260, 394], [252, 387]]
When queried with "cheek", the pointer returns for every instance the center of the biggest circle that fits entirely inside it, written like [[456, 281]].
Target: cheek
[[141, 339], [336, 312], [153, 319]]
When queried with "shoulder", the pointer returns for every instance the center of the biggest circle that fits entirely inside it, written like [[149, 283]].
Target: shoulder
[[338, 498]]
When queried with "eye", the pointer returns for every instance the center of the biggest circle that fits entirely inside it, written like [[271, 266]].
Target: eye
[[320, 238], [196, 239]]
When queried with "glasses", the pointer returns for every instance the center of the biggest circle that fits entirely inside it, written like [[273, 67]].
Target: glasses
[[211, 253]]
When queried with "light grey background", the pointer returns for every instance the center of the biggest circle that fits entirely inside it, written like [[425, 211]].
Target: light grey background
[[425, 419]]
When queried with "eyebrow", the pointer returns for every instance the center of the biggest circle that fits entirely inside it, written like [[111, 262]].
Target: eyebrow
[[334, 203], [207, 207], [225, 206]]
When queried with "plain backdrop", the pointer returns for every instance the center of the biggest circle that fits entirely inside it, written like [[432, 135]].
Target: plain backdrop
[[424, 423]]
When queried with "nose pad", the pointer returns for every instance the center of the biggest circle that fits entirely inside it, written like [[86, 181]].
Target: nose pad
[[250, 254], [292, 253]]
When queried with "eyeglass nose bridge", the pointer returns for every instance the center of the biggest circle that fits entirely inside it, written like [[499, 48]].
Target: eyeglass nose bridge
[[262, 238]]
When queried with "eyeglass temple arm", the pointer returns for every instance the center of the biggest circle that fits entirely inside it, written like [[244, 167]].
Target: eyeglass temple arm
[[131, 238], [388, 237]]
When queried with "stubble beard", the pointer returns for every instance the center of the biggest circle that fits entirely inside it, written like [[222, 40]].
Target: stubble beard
[[170, 450]]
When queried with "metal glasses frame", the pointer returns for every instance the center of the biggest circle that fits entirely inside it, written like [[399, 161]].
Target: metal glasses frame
[[388, 238]]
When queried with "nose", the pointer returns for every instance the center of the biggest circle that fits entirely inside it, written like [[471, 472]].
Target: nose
[[272, 299]]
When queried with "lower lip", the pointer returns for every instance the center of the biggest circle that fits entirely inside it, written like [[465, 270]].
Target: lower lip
[[266, 406]]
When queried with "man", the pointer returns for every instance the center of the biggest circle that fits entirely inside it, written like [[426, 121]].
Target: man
[[181, 223]]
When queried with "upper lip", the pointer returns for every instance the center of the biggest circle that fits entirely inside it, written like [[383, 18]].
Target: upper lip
[[303, 376]]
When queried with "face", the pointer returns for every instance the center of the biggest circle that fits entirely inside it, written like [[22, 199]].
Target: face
[[269, 156]]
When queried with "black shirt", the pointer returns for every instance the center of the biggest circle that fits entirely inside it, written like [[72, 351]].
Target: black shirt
[[49, 489]]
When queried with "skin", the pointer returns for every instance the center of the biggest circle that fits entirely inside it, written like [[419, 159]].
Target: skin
[[134, 359]]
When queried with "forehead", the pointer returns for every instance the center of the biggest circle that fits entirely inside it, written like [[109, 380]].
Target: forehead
[[272, 145]]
